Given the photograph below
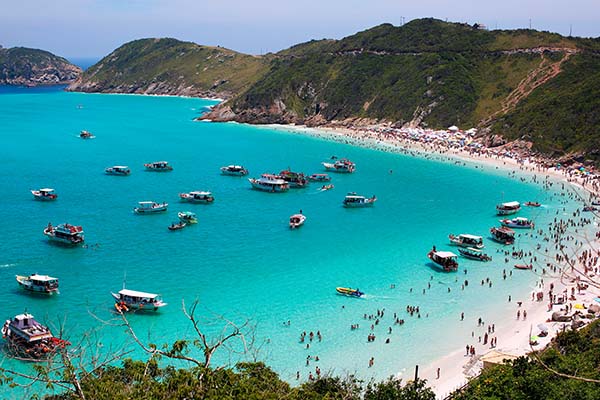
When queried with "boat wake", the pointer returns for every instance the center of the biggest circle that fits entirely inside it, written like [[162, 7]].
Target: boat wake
[[8, 265]]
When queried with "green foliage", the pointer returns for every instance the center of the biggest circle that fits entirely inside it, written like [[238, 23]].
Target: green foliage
[[394, 390], [24, 63], [573, 353], [563, 115]]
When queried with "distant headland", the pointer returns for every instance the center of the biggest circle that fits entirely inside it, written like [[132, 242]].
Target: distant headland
[[32, 67]]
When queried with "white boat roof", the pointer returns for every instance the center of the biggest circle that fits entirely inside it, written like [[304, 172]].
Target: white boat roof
[[187, 213], [47, 190], [469, 236], [234, 166], [511, 204], [146, 202], [355, 196], [44, 278], [201, 193], [21, 317], [521, 219], [473, 250], [445, 254], [120, 167], [135, 293]]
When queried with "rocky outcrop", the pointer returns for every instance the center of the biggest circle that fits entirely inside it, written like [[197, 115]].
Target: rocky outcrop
[[32, 67]]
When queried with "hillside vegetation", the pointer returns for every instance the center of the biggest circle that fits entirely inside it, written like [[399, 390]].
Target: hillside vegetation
[[520, 84], [170, 66], [32, 67]]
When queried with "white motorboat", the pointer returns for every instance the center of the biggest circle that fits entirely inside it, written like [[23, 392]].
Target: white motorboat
[[511, 207], [234, 170], [65, 233], [342, 165], [197, 197], [133, 300], [519, 222], [297, 220], [467, 240], [270, 183], [188, 217], [38, 283], [503, 235], [149, 207], [120, 170], [86, 135], [445, 259], [352, 200], [45, 194], [158, 166]]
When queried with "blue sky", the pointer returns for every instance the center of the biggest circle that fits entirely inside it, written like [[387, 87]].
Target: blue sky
[[93, 28]]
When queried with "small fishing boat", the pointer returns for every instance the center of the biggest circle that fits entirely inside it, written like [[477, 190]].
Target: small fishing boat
[[519, 222], [342, 165], [176, 226], [197, 197], [445, 259], [319, 178], [134, 300], [270, 183], [296, 180], [523, 266], [119, 170], [349, 292], [38, 283], [150, 207], [86, 135], [352, 200], [467, 240], [503, 235], [326, 187], [511, 207], [474, 254], [188, 217], [297, 220], [45, 194], [65, 233], [532, 204], [158, 166], [26, 338], [234, 170]]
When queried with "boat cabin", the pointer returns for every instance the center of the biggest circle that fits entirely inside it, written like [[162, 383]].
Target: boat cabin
[[508, 208], [446, 259], [28, 329]]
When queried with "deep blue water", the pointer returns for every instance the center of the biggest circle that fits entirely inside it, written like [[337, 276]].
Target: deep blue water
[[241, 260]]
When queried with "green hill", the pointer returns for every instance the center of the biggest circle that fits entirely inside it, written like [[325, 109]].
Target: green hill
[[32, 67], [170, 66]]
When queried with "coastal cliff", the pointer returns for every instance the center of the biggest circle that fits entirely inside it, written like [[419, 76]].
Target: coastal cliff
[[33, 67], [172, 67]]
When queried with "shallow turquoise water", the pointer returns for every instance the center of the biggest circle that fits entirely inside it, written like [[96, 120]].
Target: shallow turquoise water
[[241, 260]]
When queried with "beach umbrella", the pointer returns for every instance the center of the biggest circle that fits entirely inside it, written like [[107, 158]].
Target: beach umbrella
[[579, 306], [533, 339], [542, 327], [597, 299]]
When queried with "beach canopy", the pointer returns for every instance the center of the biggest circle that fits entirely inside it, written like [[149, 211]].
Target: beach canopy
[[542, 327], [579, 306], [495, 357]]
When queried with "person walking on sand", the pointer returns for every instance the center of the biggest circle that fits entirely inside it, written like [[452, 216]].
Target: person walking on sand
[[438, 373]]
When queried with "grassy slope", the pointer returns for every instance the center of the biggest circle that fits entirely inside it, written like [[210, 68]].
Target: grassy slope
[[146, 61], [18, 61]]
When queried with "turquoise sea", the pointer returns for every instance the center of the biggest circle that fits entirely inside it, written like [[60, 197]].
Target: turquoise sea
[[241, 260]]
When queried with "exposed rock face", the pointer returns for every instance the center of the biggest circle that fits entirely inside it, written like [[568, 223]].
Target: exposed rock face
[[32, 67], [154, 88]]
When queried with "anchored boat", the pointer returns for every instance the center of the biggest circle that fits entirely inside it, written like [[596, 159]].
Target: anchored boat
[[120, 170], [45, 194], [503, 235], [296, 180], [352, 200], [445, 259], [86, 135], [28, 339], [65, 233], [519, 222], [150, 207], [349, 292], [188, 217], [38, 283], [467, 240], [197, 197], [474, 254], [269, 183], [158, 166], [511, 207], [234, 170], [134, 300], [342, 165], [319, 178], [297, 220]]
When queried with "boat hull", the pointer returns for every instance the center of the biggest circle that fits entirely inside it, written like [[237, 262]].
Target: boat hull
[[63, 240], [26, 285], [233, 173], [269, 188], [349, 292], [138, 306], [507, 212]]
